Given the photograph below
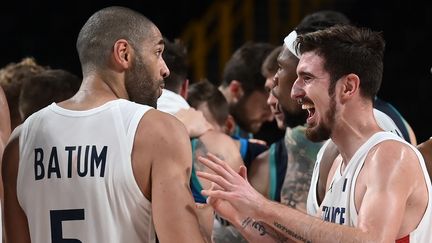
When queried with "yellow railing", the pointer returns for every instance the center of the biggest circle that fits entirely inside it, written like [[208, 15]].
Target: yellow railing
[[226, 20]]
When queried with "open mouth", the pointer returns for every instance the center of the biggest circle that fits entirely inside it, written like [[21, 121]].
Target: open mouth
[[311, 112]]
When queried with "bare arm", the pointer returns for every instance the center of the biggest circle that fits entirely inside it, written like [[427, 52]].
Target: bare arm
[[376, 223], [163, 140], [16, 227]]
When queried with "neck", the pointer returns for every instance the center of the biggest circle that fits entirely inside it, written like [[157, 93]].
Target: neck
[[95, 90], [352, 130]]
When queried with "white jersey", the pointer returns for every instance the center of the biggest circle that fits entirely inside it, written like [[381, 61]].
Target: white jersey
[[171, 102], [312, 206], [338, 205], [75, 178]]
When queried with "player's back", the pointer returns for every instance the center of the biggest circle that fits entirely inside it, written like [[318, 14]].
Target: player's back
[[75, 178]]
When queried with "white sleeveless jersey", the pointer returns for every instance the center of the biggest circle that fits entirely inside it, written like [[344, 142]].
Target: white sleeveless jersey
[[75, 178], [383, 121], [338, 204]]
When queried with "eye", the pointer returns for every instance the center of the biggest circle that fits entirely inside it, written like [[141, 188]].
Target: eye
[[159, 52], [307, 79]]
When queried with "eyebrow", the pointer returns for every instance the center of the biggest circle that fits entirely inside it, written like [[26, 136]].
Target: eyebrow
[[304, 73]]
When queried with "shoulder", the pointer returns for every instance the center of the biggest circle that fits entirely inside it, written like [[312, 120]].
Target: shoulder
[[161, 123], [159, 132], [393, 158]]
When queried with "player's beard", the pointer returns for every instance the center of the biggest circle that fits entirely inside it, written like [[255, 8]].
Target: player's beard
[[322, 130], [140, 86]]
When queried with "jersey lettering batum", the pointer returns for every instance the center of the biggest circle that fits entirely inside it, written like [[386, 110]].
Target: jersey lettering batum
[[75, 180], [338, 204]]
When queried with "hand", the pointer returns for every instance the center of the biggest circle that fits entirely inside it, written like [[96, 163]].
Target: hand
[[257, 141], [232, 197], [194, 121]]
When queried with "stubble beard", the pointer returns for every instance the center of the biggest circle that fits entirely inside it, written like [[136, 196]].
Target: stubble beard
[[322, 131], [139, 86]]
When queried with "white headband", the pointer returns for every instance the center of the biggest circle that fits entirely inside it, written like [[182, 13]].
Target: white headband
[[290, 42]]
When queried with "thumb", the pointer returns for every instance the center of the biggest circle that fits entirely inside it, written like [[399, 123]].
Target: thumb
[[243, 172]]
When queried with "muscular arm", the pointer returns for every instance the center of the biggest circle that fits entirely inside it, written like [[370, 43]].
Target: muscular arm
[[383, 216], [16, 227], [163, 140]]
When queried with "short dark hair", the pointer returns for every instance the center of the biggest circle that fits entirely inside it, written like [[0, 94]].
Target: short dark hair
[[204, 91], [175, 57], [270, 64], [245, 66], [42, 89], [103, 29], [320, 20], [348, 49]]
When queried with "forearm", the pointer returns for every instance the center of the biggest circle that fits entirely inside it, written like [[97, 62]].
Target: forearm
[[299, 227], [257, 231]]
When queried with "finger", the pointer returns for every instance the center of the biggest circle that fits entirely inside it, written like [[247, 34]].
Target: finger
[[221, 163], [218, 180], [218, 194], [243, 172], [214, 186]]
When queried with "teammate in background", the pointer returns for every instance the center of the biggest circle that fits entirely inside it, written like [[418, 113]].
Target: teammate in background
[[99, 167], [40, 90], [243, 87], [11, 79]]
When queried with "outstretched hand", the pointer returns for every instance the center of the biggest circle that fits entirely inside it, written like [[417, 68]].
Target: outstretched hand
[[232, 196]]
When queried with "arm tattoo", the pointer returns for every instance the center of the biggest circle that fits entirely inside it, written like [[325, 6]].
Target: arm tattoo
[[263, 229], [291, 233]]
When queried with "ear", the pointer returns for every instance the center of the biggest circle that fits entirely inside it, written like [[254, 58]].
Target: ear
[[184, 89], [122, 54], [350, 87], [229, 125], [236, 90]]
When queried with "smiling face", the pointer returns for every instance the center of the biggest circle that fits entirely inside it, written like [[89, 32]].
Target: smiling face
[[144, 80], [311, 91]]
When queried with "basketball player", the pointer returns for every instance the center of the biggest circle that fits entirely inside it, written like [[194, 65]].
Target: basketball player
[[98, 167], [380, 191]]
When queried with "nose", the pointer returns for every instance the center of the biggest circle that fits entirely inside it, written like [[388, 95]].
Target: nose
[[165, 72], [297, 90], [271, 100]]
